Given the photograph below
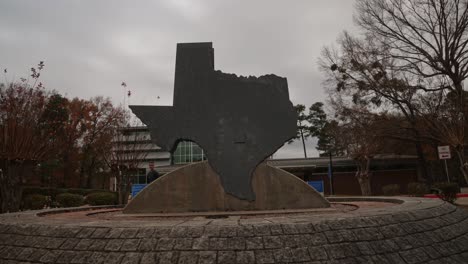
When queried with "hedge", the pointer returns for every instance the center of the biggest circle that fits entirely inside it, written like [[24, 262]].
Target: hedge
[[69, 200], [102, 198], [53, 192], [34, 201], [447, 191], [49, 197], [391, 189], [417, 189]]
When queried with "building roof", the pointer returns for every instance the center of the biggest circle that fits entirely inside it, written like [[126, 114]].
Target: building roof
[[321, 162]]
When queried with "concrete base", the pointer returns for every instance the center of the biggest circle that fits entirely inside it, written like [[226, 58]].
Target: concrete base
[[418, 230], [197, 188]]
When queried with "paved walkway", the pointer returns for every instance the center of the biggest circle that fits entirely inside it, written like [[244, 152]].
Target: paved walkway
[[415, 231], [462, 201]]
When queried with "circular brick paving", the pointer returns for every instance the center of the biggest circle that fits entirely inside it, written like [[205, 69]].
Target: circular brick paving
[[412, 231]]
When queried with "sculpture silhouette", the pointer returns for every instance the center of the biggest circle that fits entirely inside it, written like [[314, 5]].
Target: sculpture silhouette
[[238, 121]]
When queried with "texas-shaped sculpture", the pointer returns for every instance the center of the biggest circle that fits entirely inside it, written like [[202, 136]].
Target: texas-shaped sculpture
[[238, 121]]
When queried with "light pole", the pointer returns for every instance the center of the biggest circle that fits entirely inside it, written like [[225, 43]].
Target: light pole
[[330, 172]]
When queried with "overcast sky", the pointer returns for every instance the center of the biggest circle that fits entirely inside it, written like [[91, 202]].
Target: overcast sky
[[90, 47]]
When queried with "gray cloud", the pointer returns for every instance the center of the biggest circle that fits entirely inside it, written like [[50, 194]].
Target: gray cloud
[[90, 47]]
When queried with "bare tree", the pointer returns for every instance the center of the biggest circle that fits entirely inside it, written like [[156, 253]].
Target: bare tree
[[360, 133], [428, 38], [445, 125], [364, 70], [103, 117], [128, 150]]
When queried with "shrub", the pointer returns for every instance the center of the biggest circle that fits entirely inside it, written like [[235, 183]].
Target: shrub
[[69, 200], [85, 192], [391, 189], [52, 192], [82, 192], [102, 198], [98, 191], [417, 189], [34, 201], [447, 191]]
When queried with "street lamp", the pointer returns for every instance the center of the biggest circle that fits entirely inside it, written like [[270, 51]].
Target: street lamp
[[330, 172]]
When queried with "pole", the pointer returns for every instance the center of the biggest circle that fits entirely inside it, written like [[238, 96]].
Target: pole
[[330, 173], [303, 144], [446, 171]]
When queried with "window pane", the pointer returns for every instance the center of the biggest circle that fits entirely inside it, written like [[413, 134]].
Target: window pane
[[197, 150]]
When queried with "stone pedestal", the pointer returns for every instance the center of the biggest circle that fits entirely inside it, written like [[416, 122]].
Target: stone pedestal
[[197, 188]]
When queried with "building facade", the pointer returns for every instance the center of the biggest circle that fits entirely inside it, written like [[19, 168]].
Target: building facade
[[385, 169], [138, 139]]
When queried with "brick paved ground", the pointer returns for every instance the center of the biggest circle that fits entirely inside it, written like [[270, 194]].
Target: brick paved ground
[[416, 231]]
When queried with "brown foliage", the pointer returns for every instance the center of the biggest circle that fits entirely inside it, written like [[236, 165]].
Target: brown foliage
[[39, 127], [25, 137]]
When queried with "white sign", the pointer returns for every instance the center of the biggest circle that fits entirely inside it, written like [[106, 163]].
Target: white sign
[[444, 152]]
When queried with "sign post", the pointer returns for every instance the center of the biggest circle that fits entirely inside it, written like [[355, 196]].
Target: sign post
[[444, 154]]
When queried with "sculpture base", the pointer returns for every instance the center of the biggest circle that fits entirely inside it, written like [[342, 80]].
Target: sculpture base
[[197, 188]]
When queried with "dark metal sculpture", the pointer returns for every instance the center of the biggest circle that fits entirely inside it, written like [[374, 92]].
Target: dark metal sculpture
[[238, 121]]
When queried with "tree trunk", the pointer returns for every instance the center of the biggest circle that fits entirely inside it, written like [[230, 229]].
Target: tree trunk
[[364, 183], [462, 109], [463, 165], [363, 176], [421, 158], [303, 144], [10, 186], [67, 169], [123, 186], [90, 172]]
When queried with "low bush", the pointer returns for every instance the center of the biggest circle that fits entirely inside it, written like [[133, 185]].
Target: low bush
[[417, 189], [102, 198], [85, 192], [99, 191], [69, 200], [447, 191], [52, 192], [34, 201], [391, 189], [82, 192]]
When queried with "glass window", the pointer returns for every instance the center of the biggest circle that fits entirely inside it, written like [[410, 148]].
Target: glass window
[[187, 152], [197, 150]]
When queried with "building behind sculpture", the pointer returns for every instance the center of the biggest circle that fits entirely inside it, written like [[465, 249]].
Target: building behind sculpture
[[187, 152], [387, 169], [139, 137]]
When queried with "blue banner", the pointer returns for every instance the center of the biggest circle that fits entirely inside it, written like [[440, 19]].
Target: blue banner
[[317, 185], [136, 188]]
